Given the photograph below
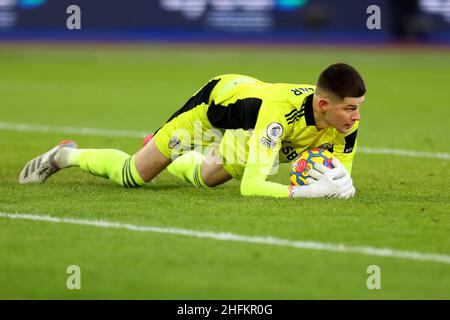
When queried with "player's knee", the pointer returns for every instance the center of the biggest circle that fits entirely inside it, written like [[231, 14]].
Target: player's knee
[[213, 179], [210, 182]]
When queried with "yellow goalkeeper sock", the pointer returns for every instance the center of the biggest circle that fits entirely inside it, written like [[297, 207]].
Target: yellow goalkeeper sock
[[107, 163], [187, 168]]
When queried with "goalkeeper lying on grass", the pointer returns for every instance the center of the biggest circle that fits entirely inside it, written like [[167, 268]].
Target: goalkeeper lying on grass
[[246, 126]]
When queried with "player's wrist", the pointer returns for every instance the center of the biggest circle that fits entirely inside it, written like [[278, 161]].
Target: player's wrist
[[306, 191]]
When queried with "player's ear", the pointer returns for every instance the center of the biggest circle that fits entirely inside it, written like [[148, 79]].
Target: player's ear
[[324, 104]]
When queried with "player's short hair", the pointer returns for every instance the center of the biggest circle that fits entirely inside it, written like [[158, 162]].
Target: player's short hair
[[342, 80]]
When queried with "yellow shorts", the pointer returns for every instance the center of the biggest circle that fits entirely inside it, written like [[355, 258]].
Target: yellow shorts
[[189, 128], [233, 151]]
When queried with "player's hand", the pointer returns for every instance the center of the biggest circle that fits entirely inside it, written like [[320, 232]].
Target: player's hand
[[350, 192], [339, 175], [326, 182], [338, 172]]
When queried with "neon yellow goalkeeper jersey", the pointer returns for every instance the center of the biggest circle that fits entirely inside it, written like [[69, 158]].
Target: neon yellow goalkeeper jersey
[[284, 127]]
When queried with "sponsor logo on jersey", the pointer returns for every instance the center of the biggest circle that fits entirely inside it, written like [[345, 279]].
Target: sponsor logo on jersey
[[289, 152]]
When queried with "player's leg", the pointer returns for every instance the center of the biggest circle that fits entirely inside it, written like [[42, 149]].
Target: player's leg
[[171, 140], [129, 171], [38, 170], [220, 165], [149, 161], [212, 171]]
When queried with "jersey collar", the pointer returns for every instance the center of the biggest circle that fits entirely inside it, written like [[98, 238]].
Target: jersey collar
[[309, 113]]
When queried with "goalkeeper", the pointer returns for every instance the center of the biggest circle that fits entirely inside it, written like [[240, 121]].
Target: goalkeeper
[[247, 127]]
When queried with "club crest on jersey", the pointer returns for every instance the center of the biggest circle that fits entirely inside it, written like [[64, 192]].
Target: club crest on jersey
[[174, 142], [274, 131]]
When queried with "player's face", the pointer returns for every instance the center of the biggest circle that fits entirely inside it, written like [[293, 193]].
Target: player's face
[[343, 114]]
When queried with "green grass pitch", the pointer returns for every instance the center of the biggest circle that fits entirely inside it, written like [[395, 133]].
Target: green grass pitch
[[402, 202]]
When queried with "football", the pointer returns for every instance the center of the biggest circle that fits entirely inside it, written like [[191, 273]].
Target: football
[[305, 161]]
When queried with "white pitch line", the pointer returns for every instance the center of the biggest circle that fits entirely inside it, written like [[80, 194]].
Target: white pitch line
[[405, 153], [308, 245], [72, 130], [139, 134]]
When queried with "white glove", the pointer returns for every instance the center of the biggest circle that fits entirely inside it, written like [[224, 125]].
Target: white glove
[[326, 182], [349, 192]]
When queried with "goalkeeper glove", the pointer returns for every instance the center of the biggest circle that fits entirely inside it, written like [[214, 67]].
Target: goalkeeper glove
[[326, 182]]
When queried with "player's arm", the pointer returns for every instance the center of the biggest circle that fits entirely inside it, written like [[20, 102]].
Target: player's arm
[[326, 182], [270, 130], [264, 145]]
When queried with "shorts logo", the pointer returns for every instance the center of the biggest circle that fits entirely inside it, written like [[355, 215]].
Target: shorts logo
[[274, 130], [174, 142]]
